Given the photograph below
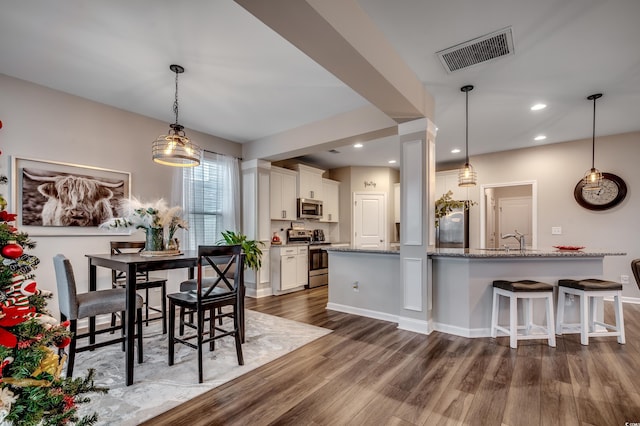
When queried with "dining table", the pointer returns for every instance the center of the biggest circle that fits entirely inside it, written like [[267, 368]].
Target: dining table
[[130, 264]]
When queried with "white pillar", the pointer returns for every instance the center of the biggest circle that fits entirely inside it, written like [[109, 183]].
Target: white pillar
[[417, 185]]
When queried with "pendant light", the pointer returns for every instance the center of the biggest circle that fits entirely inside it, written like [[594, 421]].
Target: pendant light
[[466, 175], [593, 177], [175, 148]]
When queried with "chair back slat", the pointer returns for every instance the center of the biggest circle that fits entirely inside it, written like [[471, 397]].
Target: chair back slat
[[216, 256], [635, 267], [122, 247], [66, 284]]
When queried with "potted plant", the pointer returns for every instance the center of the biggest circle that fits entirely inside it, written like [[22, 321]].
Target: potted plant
[[250, 248]]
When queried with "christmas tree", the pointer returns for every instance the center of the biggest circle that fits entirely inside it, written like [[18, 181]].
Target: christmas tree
[[32, 391]]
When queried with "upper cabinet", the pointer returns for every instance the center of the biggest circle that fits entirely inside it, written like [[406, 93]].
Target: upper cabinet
[[330, 201], [282, 185], [448, 181], [309, 182]]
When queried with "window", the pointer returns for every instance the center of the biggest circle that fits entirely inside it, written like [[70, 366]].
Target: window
[[211, 199]]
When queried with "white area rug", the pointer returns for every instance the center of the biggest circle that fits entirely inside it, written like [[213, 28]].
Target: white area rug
[[158, 387]]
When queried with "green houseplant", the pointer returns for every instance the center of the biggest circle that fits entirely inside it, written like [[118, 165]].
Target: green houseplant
[[250, 248]]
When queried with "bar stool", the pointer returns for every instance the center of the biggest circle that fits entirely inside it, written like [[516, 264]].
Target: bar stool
[[527, 290], [590, 290]]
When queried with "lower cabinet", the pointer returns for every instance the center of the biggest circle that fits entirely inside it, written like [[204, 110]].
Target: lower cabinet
[[289, 268]]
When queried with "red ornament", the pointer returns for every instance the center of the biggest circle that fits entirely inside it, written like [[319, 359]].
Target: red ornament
[[63, 342], [12, 250]]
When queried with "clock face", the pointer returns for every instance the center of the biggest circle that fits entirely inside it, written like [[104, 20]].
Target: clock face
[[611, 193]]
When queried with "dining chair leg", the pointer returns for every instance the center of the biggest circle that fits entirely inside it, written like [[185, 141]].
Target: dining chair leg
[[122, 328], [181, 331], [146, 306], [236, 335], [73, 328], [164, 308], [172, 327], [139, 325], [212, 328], [199, 331]]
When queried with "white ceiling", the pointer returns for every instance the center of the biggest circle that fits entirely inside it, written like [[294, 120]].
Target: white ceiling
[[244, 82]]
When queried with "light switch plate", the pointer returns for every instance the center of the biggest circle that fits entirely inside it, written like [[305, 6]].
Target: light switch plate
[[556, 230]]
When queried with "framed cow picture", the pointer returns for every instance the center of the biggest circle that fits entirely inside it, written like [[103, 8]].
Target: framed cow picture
[[54, 198]]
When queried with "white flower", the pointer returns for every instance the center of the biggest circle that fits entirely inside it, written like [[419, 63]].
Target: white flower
[[6, 399], [136, 214]]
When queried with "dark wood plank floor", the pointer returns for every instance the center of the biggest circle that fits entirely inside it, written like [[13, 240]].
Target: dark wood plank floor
[[367, 372]]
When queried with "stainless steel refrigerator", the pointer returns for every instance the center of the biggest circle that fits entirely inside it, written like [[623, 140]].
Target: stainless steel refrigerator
[[454, 229]]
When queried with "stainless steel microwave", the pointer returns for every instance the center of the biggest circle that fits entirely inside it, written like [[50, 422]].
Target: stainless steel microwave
[[309, 209]]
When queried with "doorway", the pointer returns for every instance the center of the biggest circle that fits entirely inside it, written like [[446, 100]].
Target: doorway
[[369, 220], [505, 207]]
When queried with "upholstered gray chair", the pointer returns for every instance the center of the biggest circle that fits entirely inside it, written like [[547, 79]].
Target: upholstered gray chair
[[74, 306]]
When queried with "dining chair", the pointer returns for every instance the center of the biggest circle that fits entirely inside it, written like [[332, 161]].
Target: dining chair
[[143, 282], [209, 295], [74, 306]]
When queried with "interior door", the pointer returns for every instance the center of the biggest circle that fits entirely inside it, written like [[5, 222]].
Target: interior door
[[514, 214], [491, 240], [370, 220]]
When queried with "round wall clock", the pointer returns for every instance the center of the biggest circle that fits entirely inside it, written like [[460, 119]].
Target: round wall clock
[[611, 193]]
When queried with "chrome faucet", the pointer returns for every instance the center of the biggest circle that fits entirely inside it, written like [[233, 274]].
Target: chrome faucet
[[518, 236]]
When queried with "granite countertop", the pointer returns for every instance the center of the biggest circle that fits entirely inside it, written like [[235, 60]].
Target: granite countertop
[[501, 253], [488, 253], [351, 249]]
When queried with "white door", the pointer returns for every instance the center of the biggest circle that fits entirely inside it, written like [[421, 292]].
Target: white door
[[491, 241], [370, 220], [514, 214]]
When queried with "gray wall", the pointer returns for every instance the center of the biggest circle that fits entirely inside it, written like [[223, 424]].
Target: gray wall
[[40, 123]]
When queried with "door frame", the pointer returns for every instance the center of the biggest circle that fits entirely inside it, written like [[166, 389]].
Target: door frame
[[534, 209]]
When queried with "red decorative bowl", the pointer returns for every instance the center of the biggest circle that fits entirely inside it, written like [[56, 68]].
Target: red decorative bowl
[[569, 248]]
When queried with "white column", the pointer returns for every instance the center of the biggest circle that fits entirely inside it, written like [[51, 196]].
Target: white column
[[417, 185]]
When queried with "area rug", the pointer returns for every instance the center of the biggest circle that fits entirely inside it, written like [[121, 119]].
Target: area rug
[[158, 387]]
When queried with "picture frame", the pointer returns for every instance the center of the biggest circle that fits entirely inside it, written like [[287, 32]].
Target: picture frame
[[56, 198]]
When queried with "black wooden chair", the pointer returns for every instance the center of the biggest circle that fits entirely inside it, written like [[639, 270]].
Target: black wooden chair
[[635, 268], [74, 306], [210, 295], [143, 282]]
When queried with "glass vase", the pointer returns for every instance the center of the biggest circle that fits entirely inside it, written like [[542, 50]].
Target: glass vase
[[155, 239]]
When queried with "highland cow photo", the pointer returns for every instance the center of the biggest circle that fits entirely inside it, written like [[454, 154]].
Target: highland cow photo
[[59, 195]]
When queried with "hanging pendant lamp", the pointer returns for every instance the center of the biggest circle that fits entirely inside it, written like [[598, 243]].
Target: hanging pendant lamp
[[175, 148], [466, 175], [593, 178]]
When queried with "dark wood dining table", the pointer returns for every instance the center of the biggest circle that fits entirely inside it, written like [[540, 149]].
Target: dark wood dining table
[[130, 264]]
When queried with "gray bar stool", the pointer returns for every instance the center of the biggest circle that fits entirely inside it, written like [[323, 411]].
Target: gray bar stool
[[589, 290], [527, 290]]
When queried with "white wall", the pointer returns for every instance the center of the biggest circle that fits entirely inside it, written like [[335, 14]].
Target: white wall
[[557, 168], [41, 123]]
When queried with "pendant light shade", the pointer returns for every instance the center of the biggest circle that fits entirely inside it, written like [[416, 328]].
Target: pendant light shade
[[175, 148], [466, 175], [593, 177]]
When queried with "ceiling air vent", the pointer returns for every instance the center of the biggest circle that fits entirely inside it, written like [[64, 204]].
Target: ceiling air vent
[[482, 49]]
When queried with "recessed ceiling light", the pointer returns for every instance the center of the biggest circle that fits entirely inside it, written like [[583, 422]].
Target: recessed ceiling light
[[455, 150], [392, 161], [538, 107], [358, 145], [540, 138]]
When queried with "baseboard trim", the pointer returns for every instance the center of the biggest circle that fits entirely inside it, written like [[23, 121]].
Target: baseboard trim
[[362, 312], [417, 326], [626, 299], [463, 332], [257, 294]]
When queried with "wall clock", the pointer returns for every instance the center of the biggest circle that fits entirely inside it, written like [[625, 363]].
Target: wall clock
[[611, 193]]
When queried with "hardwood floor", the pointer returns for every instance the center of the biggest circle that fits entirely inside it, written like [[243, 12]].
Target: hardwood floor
[[367, 372]]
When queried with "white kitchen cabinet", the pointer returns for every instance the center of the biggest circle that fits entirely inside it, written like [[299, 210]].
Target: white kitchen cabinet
[[309, 182], [448, 181], [282, 187], [330, 201], [396, 202], [289, 268]]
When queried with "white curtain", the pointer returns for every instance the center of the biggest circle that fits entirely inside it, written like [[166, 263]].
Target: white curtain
[[210, 197]]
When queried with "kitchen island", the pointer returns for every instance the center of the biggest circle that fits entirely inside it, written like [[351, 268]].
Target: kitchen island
[[367, 282]]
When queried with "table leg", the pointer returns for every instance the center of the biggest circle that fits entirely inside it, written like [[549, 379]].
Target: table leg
[[92, 287], [130, 321]]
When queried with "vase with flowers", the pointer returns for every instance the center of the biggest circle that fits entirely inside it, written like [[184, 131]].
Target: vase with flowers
[[445, 205], [156, 219]]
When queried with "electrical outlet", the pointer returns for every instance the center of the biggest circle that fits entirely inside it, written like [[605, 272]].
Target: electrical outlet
[[624, 279], [556, 230], [356, 286]]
